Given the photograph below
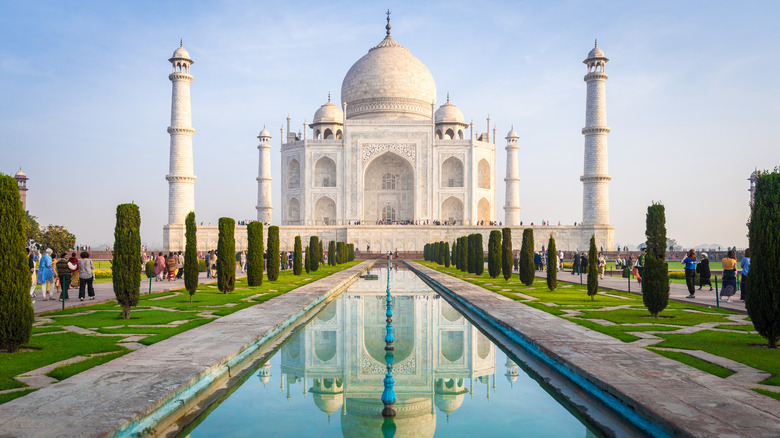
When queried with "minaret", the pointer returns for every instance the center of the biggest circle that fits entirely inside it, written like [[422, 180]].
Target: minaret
[[512, 204], [595, 181], [264, 207], [21, 180], [181, 180]]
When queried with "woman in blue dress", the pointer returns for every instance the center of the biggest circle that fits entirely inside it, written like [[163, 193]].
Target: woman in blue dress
[[46, 275]]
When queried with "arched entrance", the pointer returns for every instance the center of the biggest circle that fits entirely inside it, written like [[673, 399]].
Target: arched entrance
[[388, 189], [325, 211], [452, 211]]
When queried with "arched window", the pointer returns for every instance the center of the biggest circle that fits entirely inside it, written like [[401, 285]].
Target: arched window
[[327, 135], [388, 181], [452, 173], [449, 135], [316, 134], [483, 174], [438, 134], [339, 134], [388, 213], [293, 212], [460, 134], [483, 210], [293, 174], [325, 173]]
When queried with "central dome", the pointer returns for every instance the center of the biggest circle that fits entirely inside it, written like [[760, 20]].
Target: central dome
[[388, 83]]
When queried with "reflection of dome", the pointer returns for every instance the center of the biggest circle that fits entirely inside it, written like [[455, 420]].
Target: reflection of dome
[[448, 403], [265, 372], [414, 417], [328, 113], [449, 113], [388, 82], [328, 403]]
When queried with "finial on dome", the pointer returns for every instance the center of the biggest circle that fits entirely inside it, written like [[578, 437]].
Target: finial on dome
[[388, 22], [596, 42], [181, 42], [328, 96], [448, 97]]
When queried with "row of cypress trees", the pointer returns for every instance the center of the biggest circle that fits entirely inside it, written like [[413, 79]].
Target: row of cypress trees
[[438, 252], [339, 252]]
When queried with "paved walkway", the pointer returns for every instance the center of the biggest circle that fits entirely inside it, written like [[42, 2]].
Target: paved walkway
[[677, 292], [104, 292], [681, 399], [157, 383]]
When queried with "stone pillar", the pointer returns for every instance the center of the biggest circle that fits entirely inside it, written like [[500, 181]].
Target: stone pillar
[[512, 180], [595, 180], [264, 207], [181, 180]]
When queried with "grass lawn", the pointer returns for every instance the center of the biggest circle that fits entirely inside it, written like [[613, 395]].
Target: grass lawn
[[52, 342], [572, 302]]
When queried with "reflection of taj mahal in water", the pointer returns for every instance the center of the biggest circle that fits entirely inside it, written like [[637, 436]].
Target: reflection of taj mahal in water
[[438, 354]]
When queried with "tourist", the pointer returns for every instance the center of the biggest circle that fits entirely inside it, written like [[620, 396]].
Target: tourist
[[745, 265], [560, 260], [703, 268], [690, 272], [208, 265], [516, 261], [170, 265], [640, 267], [86, 276], [242, 260], [729, 276], [213, 264], [159, 267], [33, 274], [179, 265], [64, 269], [602, 265], [584, 262], [46, 275], [74, 270], [537, 261], [575, 267]]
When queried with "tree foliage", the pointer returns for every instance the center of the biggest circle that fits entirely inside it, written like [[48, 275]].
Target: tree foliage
[[506, 253], [254, 255], [307, 259], [655, 291], [494, 253], [526, 266], [478, 253], [273, 256], [763, 300], [446, 254], [332, 253], [16, 310], [593, 272], [314, 248], [297, 257], [59, 239], [191, 267], [552, 264], [226, 260], [126, 266], [32, 230]]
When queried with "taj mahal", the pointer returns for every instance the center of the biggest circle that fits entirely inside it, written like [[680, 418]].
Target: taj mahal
[[388, 170]]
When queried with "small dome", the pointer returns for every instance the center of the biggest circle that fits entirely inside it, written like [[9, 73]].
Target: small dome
[[329, 403], [596, 53], [449, 113], [264, 133], [181, 53], [20, 174], [448, 403], [328, 113], [512, 133]]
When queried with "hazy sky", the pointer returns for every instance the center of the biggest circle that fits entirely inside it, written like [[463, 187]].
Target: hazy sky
[[692, 99]]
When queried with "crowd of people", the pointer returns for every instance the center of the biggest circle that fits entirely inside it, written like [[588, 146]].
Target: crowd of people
[[58, 275]]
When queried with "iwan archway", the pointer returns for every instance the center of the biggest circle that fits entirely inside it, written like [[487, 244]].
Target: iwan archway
[[388, 189]]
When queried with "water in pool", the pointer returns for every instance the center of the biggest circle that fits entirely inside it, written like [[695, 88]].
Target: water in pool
[[450, 379]]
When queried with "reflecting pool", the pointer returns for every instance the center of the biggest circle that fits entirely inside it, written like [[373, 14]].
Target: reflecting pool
[[450, 379]]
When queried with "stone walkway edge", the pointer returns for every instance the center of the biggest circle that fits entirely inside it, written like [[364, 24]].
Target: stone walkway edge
[[683, 400], [143, 392]]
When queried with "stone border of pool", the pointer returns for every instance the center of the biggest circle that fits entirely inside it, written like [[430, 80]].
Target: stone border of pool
[[144, 392], [681, 400]]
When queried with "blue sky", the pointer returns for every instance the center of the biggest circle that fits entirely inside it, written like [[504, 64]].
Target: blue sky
[[692, 99]]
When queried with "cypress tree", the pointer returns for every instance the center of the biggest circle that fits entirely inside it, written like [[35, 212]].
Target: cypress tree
[[455, 259], [425, 252], [351, 252], [506, 253], [479, 255], [446, 254], [470, 255], [226, 259], [341, 249], [126, 272], [435, 246], [306, 259], [297, 257], [314, 249], [272, 264], [16, 310], [655, 290], [191, 267], [321, 252], [464, 253], [332, 253], [494, 254], [254, 257], [552, 264], [526, 266], [593, 271], [763, 300]]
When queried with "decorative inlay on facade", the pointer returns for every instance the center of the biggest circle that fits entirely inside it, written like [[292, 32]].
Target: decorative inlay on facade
[[178, 130], [406, 150], [319, 155], [388, 104]]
